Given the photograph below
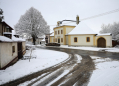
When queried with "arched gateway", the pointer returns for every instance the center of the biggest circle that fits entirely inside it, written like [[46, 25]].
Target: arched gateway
[[101, 42]]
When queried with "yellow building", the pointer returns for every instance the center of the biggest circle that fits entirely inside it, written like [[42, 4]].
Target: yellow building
[[80, 35]]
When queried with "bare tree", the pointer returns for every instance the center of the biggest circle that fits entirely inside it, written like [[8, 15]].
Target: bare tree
[[32, 24], [111, 28]]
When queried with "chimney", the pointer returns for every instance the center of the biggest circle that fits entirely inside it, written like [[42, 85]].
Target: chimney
[[58, 23], [77, 19]]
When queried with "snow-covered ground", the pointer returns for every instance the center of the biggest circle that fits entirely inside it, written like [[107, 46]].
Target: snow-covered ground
[[44, 59], [65, 71], [92, 48], [106, 73]]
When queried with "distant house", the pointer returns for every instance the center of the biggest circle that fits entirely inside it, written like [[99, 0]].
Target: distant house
[[12, 47], [38, 40], [43, 41], [80, 35]]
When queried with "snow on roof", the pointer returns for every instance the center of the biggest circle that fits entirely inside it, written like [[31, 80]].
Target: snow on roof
[[103, 34], [43, 39], [52, 34], [17, 39], [5, 39], [7, 33], [42, 36], [81, 28]]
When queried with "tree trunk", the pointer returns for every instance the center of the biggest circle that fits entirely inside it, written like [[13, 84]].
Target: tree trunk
[[34, 40]]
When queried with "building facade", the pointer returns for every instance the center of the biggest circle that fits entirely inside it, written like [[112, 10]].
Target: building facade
[[12, 47], [80, 35]]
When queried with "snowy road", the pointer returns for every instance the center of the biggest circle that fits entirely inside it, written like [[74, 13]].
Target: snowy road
[[75, 71], [81, 72]]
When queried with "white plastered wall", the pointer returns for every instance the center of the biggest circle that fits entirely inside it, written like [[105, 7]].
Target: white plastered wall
[[59, 35], [6, 53], [108, 39], [82, 40]]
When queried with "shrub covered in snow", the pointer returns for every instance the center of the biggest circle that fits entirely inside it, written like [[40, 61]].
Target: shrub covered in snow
[[117, 46]]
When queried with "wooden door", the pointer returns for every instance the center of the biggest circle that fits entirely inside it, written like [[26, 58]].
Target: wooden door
[[19, 48], [101, 42]]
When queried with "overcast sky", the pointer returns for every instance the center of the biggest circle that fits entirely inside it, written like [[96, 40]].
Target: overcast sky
[[56, 10]]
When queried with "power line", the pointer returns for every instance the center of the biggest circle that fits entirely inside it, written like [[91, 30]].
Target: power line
[[102, 14], [106, 13]]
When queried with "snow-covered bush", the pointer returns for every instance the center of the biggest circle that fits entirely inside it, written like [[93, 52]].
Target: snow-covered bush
[[117, 37], [30, 43], [117, 46]]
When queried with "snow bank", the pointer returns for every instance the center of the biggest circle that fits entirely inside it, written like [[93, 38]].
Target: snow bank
[[106, 73], [45, 59], [92, 48]]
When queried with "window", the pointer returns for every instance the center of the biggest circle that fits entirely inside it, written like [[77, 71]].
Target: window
[[55, 32], [88, 39], [61, 39], [61, 31], [58, 32], [75, 39], [13, 49]]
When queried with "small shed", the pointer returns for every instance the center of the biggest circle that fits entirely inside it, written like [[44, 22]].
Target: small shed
[[10, 50]]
